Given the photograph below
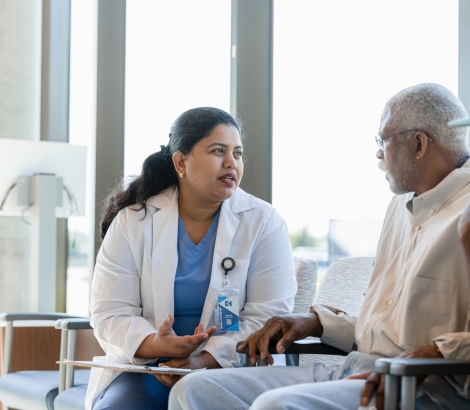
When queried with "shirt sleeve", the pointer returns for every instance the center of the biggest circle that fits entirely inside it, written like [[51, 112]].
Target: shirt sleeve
[[116, 306], [338, 327], [456, 346], [270, 290]]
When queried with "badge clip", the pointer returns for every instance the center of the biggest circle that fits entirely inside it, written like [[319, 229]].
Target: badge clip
[[227, 265]]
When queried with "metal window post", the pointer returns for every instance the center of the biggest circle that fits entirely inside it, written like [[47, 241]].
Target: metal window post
[[251, 89], [55, 91], [464, 53], [110, 89]]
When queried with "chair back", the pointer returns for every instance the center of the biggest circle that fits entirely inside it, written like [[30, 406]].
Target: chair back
[[343, 287], [345, 283], [306, 271]]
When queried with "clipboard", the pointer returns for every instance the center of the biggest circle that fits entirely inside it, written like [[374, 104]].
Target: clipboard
[[131, 368]]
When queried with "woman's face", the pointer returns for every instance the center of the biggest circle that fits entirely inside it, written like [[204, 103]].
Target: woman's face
[[214, 167]]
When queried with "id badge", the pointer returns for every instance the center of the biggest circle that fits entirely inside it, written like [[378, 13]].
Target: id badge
[[227, 310]]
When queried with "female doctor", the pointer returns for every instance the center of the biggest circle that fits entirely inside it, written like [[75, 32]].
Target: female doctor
[[159, 269]]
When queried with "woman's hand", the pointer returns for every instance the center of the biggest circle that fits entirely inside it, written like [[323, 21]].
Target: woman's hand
[[165, 343], [205, 360]]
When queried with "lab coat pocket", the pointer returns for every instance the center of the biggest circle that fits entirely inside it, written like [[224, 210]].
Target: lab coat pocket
[[241, 266], [429, 307], [238, 277]]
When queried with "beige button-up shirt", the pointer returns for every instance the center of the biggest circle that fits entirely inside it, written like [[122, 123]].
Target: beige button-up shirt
[[419, 291]]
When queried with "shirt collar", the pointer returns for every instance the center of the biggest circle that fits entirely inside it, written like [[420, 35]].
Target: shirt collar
[[435, 198]]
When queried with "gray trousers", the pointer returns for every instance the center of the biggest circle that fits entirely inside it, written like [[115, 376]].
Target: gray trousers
[[295, 388]]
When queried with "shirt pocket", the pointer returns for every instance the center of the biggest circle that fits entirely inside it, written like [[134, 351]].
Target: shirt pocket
[[429, 308]]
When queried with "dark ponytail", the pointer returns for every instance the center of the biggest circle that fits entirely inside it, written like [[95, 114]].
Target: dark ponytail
[[158, 171]]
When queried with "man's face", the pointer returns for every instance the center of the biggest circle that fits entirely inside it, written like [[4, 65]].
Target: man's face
[[396, 158]]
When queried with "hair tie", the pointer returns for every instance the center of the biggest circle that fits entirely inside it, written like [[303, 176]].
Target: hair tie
[[170, 134]]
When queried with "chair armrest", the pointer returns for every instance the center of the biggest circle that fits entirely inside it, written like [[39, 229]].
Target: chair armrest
[[69, 329], [74, 323], [315, 347], [382, 366], [424, 366], [407, 370], [11, 317]]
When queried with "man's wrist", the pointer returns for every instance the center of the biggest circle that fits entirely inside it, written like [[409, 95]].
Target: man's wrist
[[438, 351], [316, 326]]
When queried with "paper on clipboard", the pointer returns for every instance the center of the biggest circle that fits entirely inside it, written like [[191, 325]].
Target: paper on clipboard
[[125, 367]]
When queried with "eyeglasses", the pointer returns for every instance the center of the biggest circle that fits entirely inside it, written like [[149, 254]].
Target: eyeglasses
[[380, 141]]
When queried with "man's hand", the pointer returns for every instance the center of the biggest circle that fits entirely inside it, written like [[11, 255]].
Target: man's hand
[[205, 360], [430, 351], [165, 343], [285, 329], [375, 382]]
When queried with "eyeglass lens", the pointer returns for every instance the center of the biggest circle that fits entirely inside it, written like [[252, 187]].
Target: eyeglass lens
[[380, 143]]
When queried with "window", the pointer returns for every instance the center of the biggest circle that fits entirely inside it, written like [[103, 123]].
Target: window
[[177, 58], [82, 130], [335, 66]]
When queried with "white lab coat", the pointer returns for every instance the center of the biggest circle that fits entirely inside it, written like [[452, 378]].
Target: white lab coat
[[133, 284]]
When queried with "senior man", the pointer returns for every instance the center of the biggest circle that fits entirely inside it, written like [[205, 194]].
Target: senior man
[[418, 298]]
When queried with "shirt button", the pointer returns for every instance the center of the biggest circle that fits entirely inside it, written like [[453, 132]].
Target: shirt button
[[431, 211], [417, 227], [389, 302], [367, 331]]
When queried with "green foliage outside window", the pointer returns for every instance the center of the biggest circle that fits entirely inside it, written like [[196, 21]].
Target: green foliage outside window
[[304, 238]]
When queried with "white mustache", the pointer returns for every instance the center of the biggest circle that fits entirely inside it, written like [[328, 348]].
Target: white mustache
[[382, 166]]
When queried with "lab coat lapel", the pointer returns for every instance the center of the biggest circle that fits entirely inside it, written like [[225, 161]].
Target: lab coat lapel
[[228, 224], [164, 254]]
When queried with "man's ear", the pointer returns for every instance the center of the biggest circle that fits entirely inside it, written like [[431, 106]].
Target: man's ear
[[421, 143], [179, 161]]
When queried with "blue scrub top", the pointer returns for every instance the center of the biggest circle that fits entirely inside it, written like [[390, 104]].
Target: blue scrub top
[[193, 276]]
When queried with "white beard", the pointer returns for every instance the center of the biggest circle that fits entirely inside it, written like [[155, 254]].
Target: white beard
[[382, 166], [401, 176]]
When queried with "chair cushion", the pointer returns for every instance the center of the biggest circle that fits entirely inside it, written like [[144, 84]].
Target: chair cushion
[[29, 390], [34, 389], [71, 399], [81, 377]]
